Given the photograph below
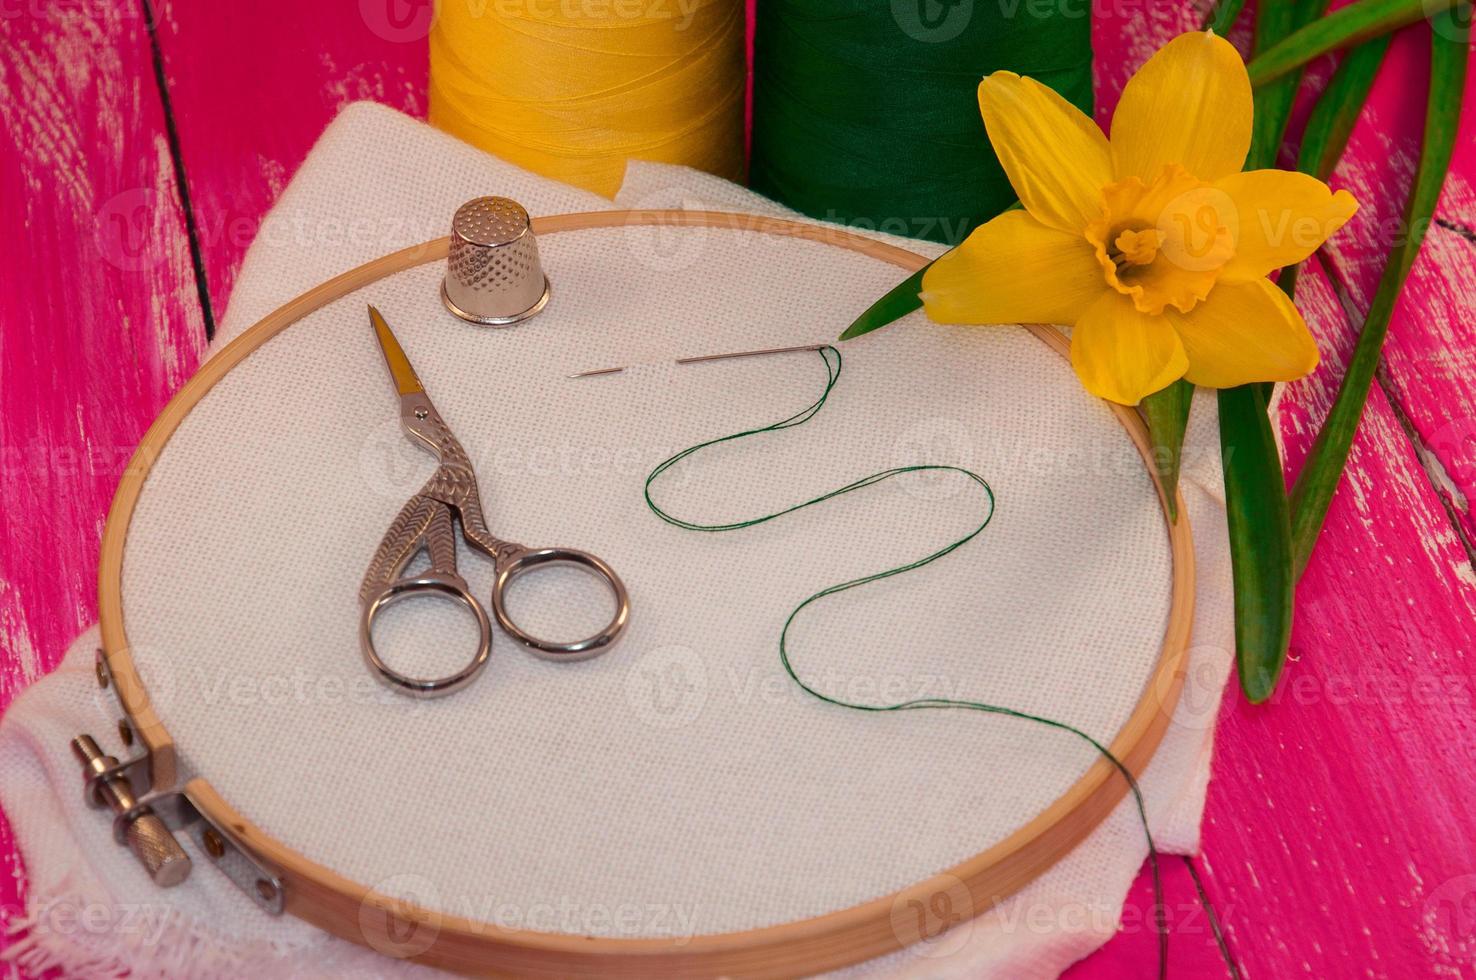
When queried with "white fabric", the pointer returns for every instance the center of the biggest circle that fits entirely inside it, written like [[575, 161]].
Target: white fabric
[[680, 784]]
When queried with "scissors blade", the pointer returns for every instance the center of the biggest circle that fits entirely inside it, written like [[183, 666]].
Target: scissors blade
[[400, 370]]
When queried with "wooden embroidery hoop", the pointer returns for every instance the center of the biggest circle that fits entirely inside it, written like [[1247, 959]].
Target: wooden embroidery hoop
[[356, 912]]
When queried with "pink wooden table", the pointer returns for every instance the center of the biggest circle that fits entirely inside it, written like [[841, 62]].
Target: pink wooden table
[[1340, 835]]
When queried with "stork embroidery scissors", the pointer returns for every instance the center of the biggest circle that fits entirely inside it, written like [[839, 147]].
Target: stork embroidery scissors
[[427, 521]]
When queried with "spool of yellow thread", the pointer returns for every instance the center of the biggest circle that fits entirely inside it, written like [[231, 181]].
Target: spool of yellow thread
[[572, 89]]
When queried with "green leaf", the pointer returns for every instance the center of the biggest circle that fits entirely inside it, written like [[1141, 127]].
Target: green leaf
[[1323, 470], [1274, 21], [1342, 28], [1255, 490], [899, 301], [1332, 119], [1167, 412], [1222, 16], [1260, 539]]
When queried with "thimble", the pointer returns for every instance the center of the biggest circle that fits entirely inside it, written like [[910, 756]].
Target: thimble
[[493, 275]]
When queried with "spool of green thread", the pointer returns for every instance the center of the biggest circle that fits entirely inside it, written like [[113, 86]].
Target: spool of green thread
[[866, 112]]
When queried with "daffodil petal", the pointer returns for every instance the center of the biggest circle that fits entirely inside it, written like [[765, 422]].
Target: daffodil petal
[[1013, 269], [1057, 159], [1190, 105], [1281, 217], [1245, 332], [1123, 355]]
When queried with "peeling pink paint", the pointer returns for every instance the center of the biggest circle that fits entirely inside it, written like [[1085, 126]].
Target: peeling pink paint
[[1338, 823], [96, 330], [1338, 831]]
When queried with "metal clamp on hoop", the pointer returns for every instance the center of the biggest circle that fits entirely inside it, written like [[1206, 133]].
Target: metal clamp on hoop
[[145, 821]]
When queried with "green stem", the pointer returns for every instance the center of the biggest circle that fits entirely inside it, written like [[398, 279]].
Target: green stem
[[1339, 29], [1332, 119], [1167, 414], [1323, 470], [1274, 21], [1222, 16], [1257, 514], [1255, 490]]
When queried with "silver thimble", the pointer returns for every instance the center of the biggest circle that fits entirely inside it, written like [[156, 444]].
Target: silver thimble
[[493, 275]]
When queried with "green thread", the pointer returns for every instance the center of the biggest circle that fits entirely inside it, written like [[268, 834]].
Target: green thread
[[866, 112], [832, 359]]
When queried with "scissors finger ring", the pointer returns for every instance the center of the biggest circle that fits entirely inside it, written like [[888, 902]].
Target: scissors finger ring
[[427, 522], [515, 563], [422, 687]]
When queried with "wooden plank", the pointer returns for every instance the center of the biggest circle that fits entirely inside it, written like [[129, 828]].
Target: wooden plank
[[1429, 370], [252, 90], [94, 180], [100, 321], [1331, 843], [251, 97], [1336, 814]]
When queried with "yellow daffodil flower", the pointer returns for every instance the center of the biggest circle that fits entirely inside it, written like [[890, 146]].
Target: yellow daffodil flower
[[1153, 246]]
